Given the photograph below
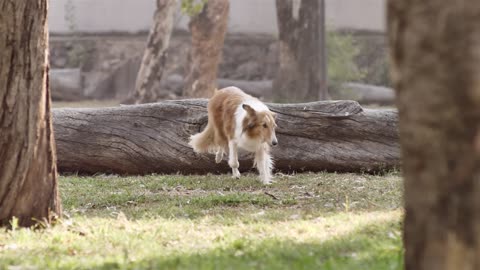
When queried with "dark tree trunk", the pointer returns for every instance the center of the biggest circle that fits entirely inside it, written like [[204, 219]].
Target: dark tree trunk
[[153, 138], [28, 175], [208, 30], [435, 67], [302, 73], [147, 86]]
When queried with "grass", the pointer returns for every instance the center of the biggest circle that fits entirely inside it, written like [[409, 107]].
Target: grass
[[304, 221]]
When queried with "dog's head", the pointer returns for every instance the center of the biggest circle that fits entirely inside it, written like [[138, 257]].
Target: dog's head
[[260, 125]]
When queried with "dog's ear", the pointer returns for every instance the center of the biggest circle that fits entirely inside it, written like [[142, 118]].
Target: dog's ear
[[249, 109]]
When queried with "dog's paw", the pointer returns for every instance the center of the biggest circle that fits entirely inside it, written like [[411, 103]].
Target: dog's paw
[[267, 181], [235, 174]]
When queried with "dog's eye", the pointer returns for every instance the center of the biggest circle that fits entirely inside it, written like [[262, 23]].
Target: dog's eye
[[265, 125]]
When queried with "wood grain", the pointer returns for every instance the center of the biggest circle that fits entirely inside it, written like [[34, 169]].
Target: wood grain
[[152, 138]]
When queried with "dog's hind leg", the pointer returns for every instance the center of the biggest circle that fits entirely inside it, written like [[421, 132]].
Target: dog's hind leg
[[233, 158], [219, 155]]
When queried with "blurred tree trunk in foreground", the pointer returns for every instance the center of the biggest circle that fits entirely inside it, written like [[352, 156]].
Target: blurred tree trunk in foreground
[[208, 30], [147, 86], [28, 174], [302, 75], [435, 52]]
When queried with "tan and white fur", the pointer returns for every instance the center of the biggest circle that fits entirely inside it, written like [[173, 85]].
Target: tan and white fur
[[238, 120]]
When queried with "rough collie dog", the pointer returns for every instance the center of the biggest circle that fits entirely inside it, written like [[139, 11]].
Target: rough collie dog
[[238, 120]]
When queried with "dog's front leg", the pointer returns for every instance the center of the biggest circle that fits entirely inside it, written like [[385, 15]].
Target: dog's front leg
[[263, 161], [233, 158]]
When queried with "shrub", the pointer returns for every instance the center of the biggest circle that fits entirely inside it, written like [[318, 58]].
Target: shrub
[[341, 54]]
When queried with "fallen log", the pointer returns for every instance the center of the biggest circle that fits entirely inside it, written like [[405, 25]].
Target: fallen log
[[152, 138], [175, 83], [365, 93]]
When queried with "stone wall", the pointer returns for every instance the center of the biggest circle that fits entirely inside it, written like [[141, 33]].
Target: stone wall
[[109, 63]]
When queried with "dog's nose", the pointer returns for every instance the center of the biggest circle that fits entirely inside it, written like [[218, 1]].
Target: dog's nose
[[274, 142]]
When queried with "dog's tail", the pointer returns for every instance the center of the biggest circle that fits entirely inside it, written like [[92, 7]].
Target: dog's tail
[[203, 142]]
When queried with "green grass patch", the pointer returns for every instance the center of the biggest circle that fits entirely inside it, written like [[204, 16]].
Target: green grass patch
[[305, 221]]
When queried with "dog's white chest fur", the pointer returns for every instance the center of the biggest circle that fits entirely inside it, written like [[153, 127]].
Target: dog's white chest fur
[[248, 144], [242, 140]]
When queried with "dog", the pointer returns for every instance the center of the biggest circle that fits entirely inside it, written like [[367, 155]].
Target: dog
[[238, 120]]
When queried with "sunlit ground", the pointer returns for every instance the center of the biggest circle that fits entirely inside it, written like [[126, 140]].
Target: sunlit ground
[[305, 221]]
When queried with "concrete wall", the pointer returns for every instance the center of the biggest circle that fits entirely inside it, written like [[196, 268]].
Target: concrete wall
[[246, 16]]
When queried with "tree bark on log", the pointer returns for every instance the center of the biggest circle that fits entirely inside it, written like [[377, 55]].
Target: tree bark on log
[[302, 75], [208, 30], [153, 138], [153, 63], [435, 65], [28, 175]]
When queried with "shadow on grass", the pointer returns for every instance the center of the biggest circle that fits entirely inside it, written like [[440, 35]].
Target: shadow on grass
[[374, 246]]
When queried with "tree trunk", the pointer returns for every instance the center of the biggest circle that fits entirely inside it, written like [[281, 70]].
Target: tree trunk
[[302, 73], [208, 30], [436, 63], [28, 176], [153, 138], [147, 86]]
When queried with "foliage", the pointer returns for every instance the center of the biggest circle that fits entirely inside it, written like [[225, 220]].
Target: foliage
[[192, 7], [373, 58], [342, 51], [378, 72], [207, 222]]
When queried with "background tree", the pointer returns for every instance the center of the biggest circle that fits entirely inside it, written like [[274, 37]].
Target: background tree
[[28, 175], [208, 29], [302, 73], [147, 85], [435, 52]]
